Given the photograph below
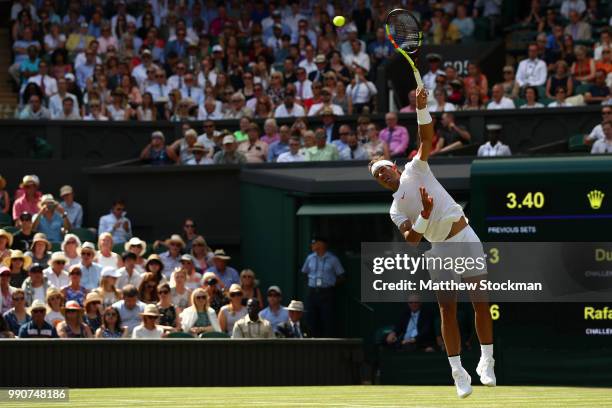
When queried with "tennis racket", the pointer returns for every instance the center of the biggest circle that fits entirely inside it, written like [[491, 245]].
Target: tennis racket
[[404, 32]]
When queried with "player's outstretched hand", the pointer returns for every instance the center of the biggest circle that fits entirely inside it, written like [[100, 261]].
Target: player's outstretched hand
[[427, 201], [421, 98]]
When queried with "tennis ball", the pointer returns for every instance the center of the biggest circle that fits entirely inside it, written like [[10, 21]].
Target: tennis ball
[[339, 21]]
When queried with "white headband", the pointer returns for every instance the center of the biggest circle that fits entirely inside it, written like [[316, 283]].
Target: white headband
[[380, 164]]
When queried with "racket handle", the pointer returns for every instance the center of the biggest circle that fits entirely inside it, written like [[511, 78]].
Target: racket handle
[[417, 77]]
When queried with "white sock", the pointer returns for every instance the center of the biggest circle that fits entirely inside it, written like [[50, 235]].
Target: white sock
[[455, 363], [486, 351]]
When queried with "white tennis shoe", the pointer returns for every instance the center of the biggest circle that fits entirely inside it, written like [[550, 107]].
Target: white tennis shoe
[[485, 371], [463, 382]]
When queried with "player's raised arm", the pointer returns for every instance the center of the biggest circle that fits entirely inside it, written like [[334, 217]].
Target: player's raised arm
[[426, 129]]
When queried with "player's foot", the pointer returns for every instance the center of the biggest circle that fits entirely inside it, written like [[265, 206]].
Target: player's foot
[[485, 371], [463, 382]]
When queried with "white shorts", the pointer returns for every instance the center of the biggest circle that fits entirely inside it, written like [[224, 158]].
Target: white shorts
[[460, 248]]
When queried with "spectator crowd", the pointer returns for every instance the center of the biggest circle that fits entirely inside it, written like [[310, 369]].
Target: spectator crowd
[[56, 283]]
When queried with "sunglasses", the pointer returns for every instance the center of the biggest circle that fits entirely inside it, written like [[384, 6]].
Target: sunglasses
[[273, 295], [164, 292], [191, 225], [201, 297], [37, 311], [150, 286], [236, 294], [110, 315], [18, 299], [60, 262], [87, 254]]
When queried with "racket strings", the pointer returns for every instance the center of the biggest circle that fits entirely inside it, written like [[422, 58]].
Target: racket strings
[[405, 33]]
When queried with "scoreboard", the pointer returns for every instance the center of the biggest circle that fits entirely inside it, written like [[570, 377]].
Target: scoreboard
[[561, 199], [557, 199]]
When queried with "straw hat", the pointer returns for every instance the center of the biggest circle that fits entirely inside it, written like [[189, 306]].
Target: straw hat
[[135, 241], [175, 238], [17, 254], [154, 258], [40, 237], [92, 297], [150, 310], [220, 253], [69, 237], [57, 256], [8, 235], [38, 304], [235, 288]]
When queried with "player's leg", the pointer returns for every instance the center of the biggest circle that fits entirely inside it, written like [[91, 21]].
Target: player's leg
[[447, 302], [484, 330]]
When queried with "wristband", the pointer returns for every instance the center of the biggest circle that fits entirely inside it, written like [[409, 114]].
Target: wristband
[[423, 116], [421, 224]]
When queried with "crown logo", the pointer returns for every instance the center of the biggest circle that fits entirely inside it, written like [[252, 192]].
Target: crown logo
[[595, 198]]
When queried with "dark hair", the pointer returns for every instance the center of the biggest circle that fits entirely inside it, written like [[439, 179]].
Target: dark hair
[[534, 89], [3, 326], [111, 309], [128, 255], [146, 278], [118, 202], [161, 286], [130, 291]]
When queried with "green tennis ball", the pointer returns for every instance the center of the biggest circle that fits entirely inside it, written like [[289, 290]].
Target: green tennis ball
[[339, 21]]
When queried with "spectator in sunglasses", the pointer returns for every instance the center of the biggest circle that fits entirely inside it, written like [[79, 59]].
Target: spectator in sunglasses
[[199, 317], [232, 312], [111, 327], [37, 327], [167, 310], [17, 315]]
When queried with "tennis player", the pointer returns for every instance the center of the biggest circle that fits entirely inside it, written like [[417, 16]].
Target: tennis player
[[423, 208]]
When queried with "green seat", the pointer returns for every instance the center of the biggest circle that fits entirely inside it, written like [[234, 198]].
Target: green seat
[[381, 334], [6, 219], [84, 234], [215, 335], [582, 89], [118, 248], [56, 246], [519, 102], [576, 143], [180, 335]]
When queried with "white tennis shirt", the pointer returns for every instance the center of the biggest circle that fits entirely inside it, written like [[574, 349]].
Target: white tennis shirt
[[407, 203]]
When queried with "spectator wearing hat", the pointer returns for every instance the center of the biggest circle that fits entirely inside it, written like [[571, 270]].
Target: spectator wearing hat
[[71, 246], [275, 313], [199, 153], [139, 248], [319, 73], [200, 317], [395, 136], [6, 241], [23, 237], [167, 310], [155, 266], [130, 308], [429, 79], [55, 300], [5, 200], [30, 200], [171, 258], [91, 271], [294, 327], [226, 274], [105, 255], [18, 264], [37, 327], [498, 100], [324, 272], [75, 291], [229, 154], [156, 152], [201, 252], [252, 326], [17, 315], [111, 327], [193, 277], [108, 286], [40, 250], [494, 147], [6, 290], [129, 274], [254, 149], [73, 326], [233, 311], [51, 218], [56, 273], [116, 223], [149, 329], [92, 315]]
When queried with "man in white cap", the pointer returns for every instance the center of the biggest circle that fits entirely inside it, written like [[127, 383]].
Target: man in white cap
[[423, 208], [30, 200], [293, 328], [494, 147], [90, 270], [37, 327], [275, 313], [229, 154], [74, 211]]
